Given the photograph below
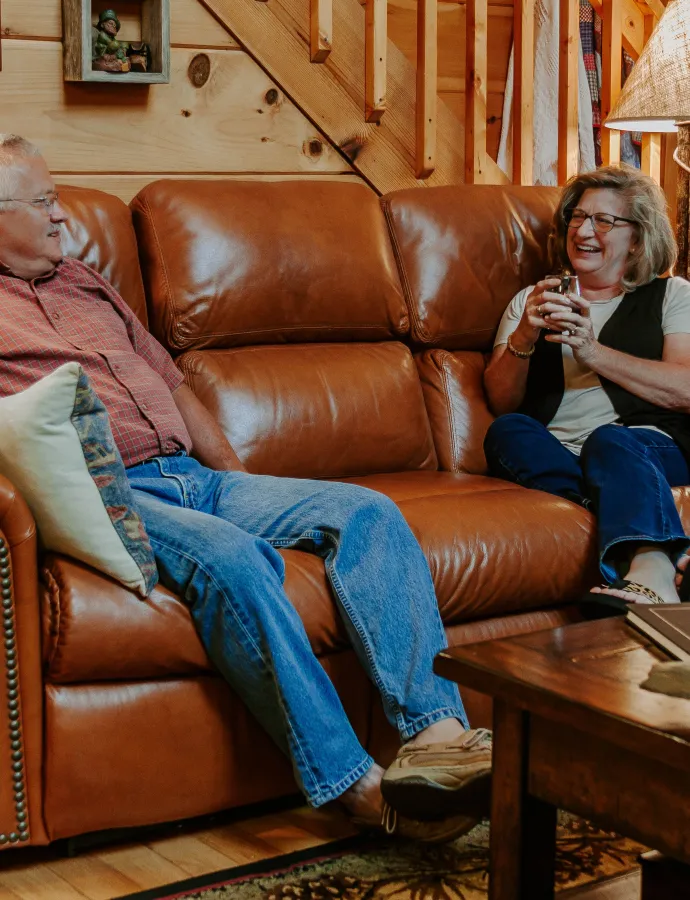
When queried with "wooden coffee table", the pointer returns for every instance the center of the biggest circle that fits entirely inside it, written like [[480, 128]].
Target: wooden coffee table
[[573, 730]]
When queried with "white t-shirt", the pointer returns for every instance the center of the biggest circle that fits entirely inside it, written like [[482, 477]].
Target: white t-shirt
[[585, 404]]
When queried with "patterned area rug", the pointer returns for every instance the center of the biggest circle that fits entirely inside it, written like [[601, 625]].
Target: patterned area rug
[[359, 869]]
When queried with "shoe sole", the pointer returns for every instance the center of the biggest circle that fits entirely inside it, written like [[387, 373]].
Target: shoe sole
[[418, 798]]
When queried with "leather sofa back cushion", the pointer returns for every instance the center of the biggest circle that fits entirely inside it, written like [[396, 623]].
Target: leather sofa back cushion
[[317, 410], [454, 395], [229, 263], [464, 252], [99, 232]]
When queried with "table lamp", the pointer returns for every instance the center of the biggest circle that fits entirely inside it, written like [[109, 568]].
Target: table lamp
[[656, 97]]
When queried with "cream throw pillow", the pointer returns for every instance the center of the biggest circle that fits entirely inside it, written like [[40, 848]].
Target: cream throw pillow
[[57, 448]]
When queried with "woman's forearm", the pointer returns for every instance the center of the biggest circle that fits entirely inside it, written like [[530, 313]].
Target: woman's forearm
[[505, 380], [665, 384]]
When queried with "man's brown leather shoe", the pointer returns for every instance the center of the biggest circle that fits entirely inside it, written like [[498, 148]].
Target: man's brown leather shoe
[[433, 781]]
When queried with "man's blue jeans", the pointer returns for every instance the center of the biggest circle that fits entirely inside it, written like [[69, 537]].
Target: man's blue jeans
[[624, 475], [215, 534]]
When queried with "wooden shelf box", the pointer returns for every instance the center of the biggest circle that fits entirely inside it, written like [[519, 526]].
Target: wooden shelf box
[[147, 20]]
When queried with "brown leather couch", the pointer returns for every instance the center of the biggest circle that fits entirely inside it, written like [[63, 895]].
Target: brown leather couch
[[334, 336]]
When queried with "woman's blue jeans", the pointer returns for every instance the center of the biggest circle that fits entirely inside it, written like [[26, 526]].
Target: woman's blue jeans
[[624, 475], [215, 534]]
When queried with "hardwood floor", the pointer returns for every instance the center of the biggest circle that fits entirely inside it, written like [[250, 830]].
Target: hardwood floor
[[115, 869], [105, 872]]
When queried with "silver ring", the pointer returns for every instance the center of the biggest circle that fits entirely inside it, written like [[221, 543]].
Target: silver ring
[[565, 333], [540, 309]]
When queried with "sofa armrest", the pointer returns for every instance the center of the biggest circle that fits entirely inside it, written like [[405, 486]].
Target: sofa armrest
[[21, 688], [453, 386]]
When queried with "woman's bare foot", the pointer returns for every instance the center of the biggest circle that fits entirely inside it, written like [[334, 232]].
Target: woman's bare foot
[[363, 801], [651, 568]]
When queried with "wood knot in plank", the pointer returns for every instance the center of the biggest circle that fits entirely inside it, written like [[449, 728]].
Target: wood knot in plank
[[199, 70], [352, 146], [272, 97], [313, 148]]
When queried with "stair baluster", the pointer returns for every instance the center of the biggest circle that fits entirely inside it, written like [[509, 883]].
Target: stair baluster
[[427, 86]]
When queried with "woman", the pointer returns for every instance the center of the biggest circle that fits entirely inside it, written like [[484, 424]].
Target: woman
[[592, 392]]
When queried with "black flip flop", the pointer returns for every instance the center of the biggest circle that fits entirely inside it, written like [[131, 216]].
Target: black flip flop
[[599, 605]]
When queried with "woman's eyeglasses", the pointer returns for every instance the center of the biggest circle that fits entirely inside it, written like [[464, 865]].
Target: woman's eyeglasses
[[601, 222]]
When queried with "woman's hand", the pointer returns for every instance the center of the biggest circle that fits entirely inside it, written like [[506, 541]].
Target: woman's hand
[[538, 302], [571, 325]]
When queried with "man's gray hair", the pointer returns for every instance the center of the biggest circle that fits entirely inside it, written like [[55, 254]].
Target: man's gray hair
[[12, 148]]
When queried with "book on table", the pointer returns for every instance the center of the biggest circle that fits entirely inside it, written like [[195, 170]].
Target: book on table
[[668, 626]]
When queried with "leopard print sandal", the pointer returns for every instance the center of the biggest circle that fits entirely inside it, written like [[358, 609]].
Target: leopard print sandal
[[598, 605]]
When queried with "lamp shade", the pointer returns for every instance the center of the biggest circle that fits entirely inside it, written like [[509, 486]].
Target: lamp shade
[[657, 92]]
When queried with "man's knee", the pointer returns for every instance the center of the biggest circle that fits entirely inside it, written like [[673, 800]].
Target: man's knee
[[358, 504]]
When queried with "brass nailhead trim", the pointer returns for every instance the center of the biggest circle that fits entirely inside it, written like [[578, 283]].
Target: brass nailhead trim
[[12, 702]]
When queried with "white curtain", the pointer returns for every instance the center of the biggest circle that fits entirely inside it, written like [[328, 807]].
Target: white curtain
[[546, 46]]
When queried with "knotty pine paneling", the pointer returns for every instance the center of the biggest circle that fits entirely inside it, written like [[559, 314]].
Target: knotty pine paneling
[[127, 186], [229, 125], [191, 24], [120, 137]]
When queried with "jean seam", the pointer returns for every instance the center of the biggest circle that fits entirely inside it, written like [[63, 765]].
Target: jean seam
[[342, 597], [321, 796], [533, 483], [238, 618], [181, 482], [445, 712]]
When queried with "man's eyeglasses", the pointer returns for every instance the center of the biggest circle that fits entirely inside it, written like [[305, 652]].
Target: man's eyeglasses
[[46, 203], [601, 222]]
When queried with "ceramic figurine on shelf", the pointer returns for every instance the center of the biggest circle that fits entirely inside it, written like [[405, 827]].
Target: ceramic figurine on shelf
[[139, 56], [108, 54]]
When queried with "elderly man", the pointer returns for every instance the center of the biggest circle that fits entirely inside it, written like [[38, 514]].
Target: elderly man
[[215, 530]]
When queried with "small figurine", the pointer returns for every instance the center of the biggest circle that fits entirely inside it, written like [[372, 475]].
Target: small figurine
[[139, 56], [108, 54]]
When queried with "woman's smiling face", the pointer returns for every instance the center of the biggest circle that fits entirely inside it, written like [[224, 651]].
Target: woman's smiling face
[[600, 259]]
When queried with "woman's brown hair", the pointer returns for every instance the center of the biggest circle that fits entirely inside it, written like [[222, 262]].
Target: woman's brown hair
[[655, 251]]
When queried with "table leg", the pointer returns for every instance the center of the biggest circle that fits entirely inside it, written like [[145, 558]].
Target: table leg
[[523, 828]]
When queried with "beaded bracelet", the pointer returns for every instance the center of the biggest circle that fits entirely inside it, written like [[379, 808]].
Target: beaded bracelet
[[521, 354]]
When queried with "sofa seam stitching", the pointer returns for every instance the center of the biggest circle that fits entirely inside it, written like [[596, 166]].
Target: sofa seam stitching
[[163, 265], [402, 271]]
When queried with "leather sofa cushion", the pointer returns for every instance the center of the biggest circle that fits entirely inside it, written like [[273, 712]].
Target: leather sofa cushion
[[499, 552], [96, 629], [230, 263], [99, 232], [456, 403], [473, 529], [316, 410], [458, 280], [124, 754]]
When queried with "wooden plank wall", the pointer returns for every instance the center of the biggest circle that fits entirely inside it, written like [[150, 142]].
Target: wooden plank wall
[[402, 29], [120, 137]]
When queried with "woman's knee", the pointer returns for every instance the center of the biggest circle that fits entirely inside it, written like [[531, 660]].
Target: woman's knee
[[507, 430], [607, 440]]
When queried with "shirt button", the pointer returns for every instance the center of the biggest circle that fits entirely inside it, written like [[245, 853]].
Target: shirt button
[[143, 406], [56, 315]]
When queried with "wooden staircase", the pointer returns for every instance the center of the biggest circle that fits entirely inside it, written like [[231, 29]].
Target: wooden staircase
[[335, 61], [399, 147]]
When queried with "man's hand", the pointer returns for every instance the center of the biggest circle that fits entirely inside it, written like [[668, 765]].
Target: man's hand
[[209, 444]]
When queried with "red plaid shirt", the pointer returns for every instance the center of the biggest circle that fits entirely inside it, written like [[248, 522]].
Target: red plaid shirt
[[74, 314]]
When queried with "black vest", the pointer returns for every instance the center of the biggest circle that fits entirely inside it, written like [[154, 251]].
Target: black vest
[[634, 328]]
